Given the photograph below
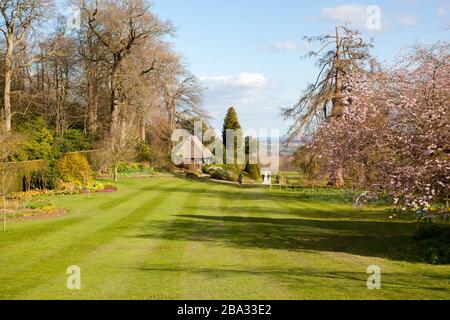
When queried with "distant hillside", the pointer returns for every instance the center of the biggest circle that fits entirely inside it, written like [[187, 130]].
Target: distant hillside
[[285, 149]]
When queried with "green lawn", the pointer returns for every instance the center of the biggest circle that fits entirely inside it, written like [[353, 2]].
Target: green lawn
[[167, 238]]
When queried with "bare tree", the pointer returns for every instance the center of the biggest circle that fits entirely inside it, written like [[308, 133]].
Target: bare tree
[[121, 147], [339, 56], [95, 76], [18, 18], [61, 61], [181, 91], [183, 99], [120, 26]]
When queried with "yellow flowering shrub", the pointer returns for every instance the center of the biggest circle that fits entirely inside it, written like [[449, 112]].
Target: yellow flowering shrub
[[74, 168]]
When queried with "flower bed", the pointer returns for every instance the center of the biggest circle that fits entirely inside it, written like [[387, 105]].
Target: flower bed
[[106, 191], [96, 187], [35, 208], [35, 214]]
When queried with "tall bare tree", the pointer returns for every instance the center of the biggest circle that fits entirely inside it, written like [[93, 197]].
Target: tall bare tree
[[121, 147], [339, 56], [62, 68], [120, 26], [17, 20], [95, 76], [181, 91]]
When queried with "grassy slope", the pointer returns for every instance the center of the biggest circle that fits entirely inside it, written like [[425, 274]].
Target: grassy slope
[[166, 238]]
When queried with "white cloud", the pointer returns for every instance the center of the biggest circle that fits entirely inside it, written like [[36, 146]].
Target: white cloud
[[441, 12], [353, 13], [240, 81], [234, 89], [286, 46], [250, 93]]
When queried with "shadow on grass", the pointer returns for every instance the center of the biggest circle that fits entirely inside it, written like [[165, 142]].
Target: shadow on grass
[[294, 276], [252, 224], [236, 194], [390, 240], [300, 211]]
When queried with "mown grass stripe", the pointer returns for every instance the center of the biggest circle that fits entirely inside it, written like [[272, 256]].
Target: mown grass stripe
[[69, 255], [165, 256]]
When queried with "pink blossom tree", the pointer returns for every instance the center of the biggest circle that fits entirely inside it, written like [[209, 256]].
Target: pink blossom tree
[[394, 133]]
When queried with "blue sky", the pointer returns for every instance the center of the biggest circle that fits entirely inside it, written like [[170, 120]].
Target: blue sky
[[248, 52]]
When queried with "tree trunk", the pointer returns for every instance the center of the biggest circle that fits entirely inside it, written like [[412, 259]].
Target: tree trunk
[[339, 86], [143, 132], [58, 119], [337, 180], [115, 102], [116, 172], [4, 212], [65, 103], [8, 71], [92, 108]]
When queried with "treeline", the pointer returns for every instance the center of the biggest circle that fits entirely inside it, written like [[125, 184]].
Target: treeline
[[113, 83]]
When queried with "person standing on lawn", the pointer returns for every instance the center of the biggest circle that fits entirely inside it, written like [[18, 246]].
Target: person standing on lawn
[[240, 180]]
